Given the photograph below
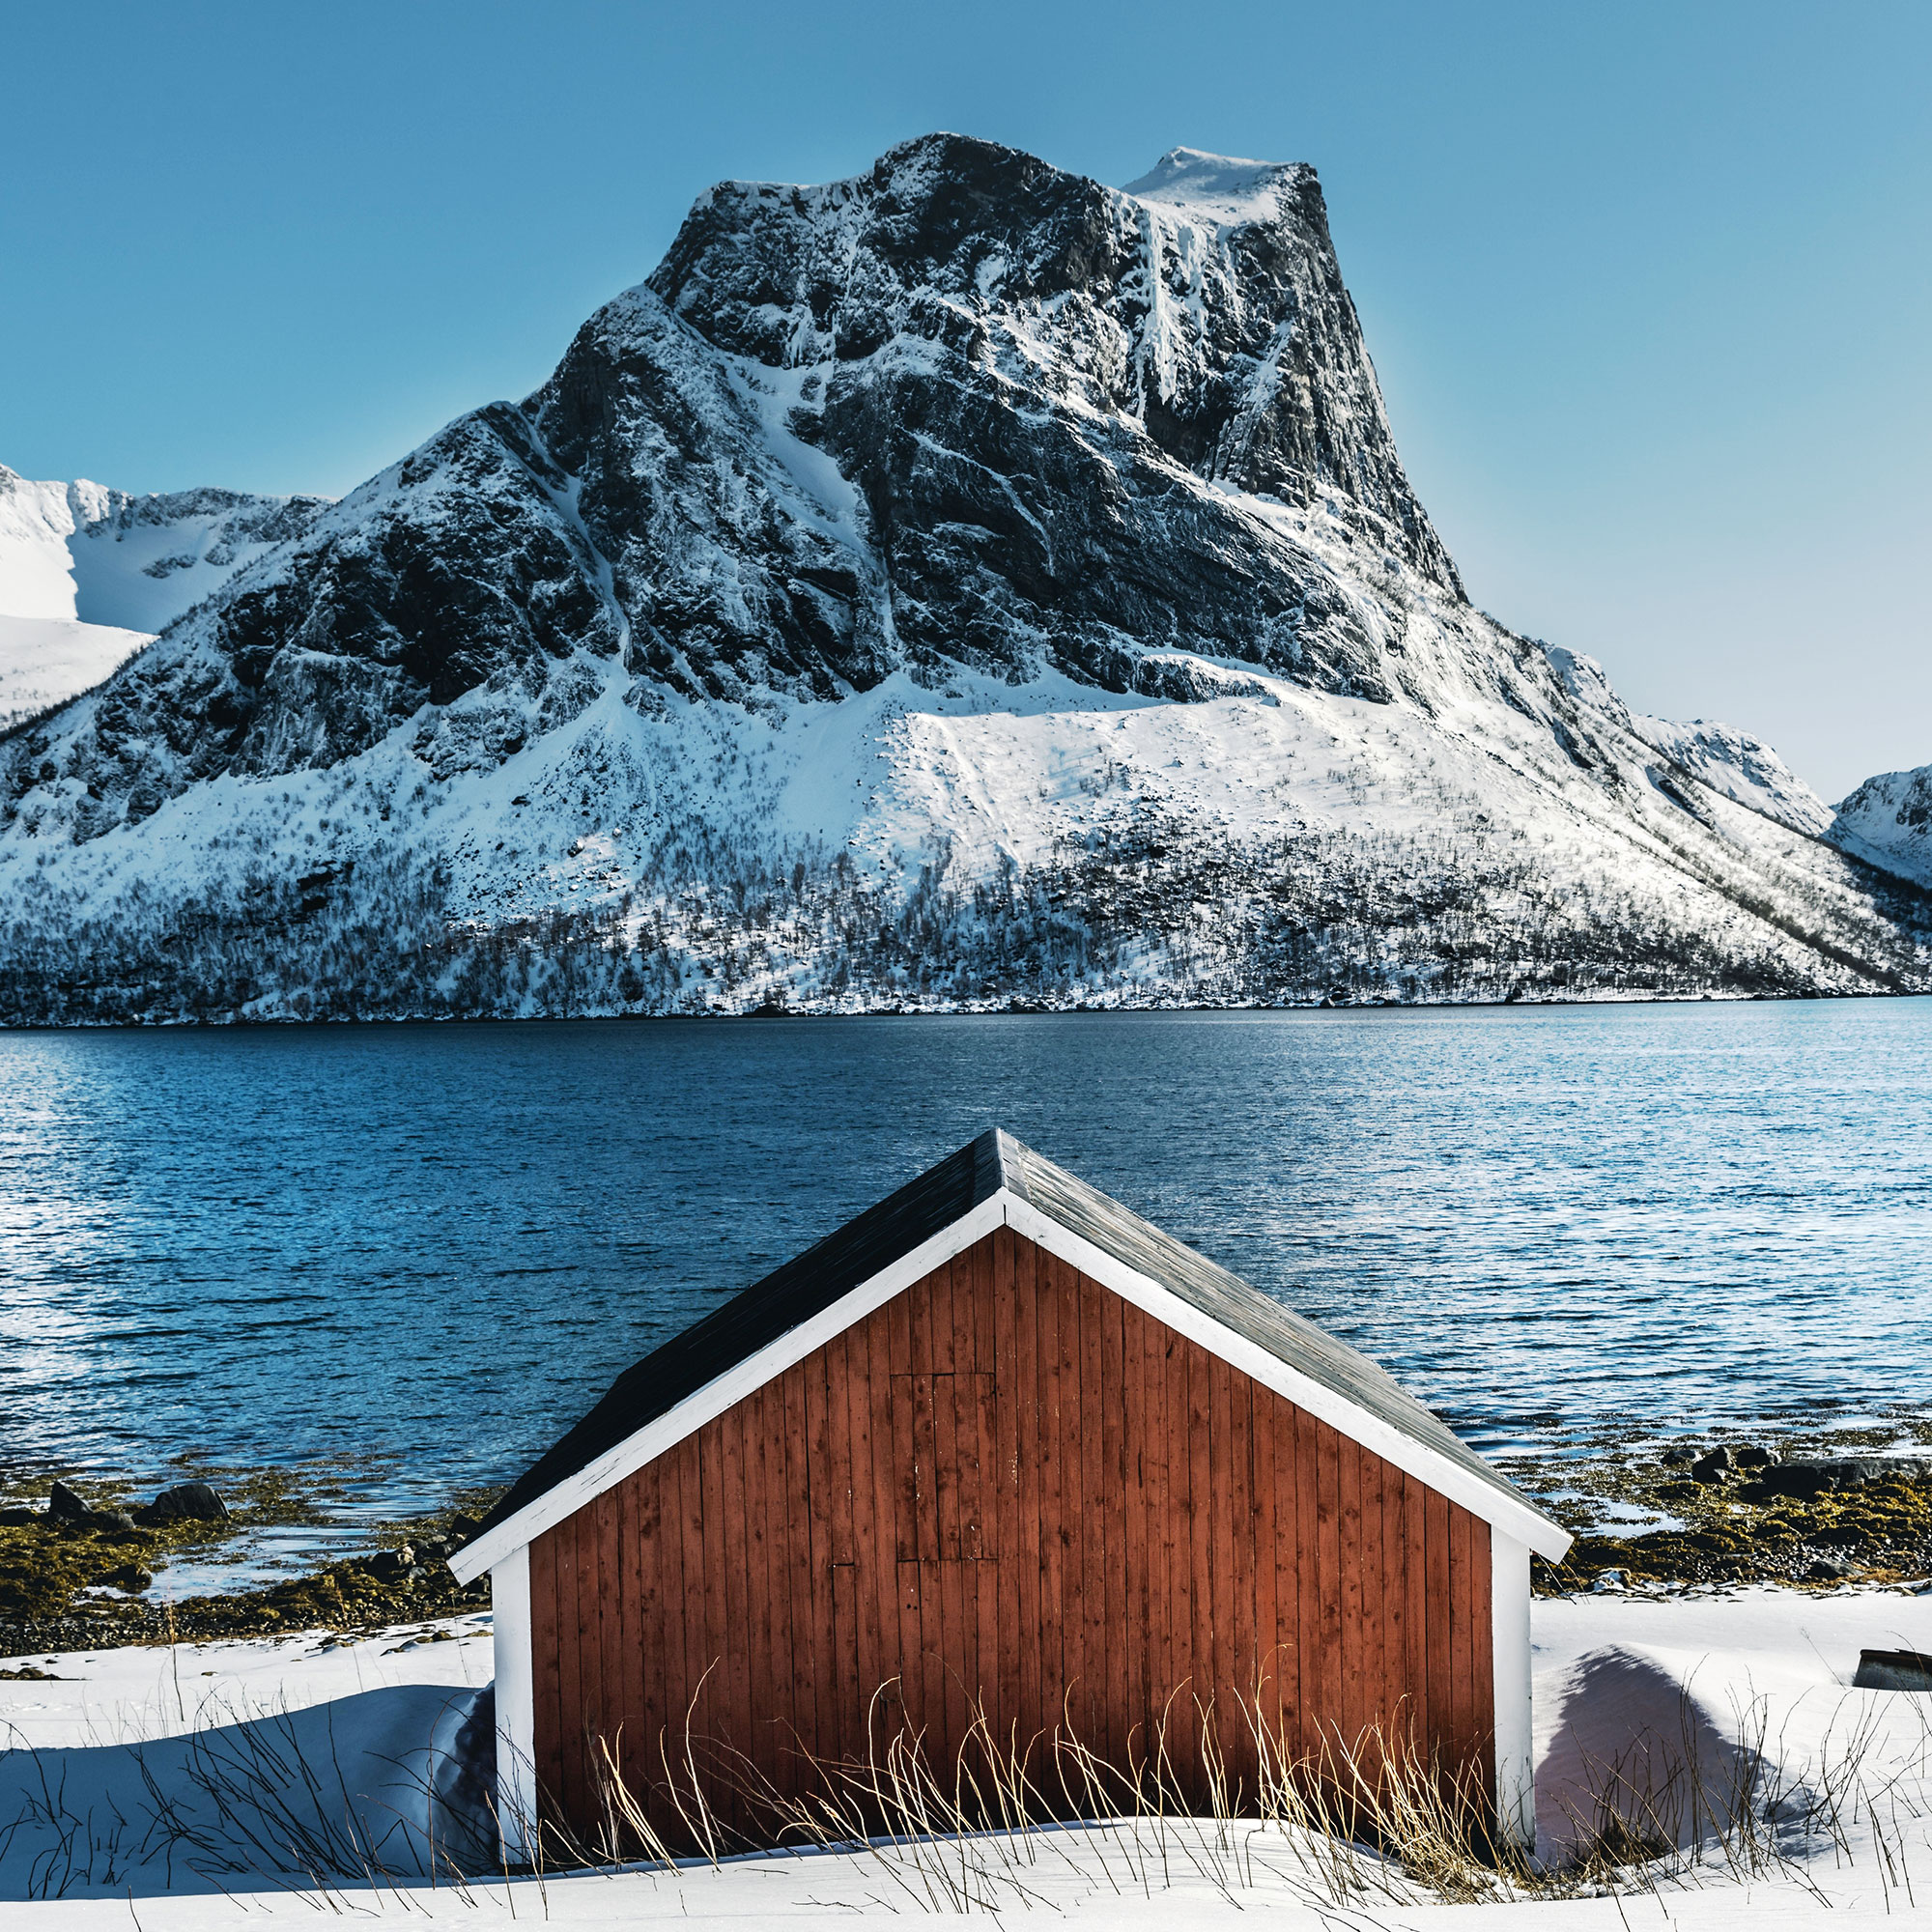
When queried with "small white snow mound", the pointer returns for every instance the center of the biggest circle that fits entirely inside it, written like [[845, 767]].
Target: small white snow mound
[[1215, 188], [191, 1769], [44, 661], [1889, 821]]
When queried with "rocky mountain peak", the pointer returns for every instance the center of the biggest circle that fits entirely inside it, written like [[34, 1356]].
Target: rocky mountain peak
[[1203, 303]]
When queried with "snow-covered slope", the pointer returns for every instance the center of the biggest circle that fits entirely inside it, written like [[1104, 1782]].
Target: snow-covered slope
[[88, 575], [1889, 820], [80, 551], [959, 584], [44, 661]]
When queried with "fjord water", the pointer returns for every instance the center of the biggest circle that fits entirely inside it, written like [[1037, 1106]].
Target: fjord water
[[431, 1247]]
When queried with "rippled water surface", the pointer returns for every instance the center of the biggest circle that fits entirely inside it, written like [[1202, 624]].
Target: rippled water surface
[[436, 1245]]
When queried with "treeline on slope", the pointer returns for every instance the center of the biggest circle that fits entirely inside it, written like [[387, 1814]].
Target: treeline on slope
[[1155, 916]]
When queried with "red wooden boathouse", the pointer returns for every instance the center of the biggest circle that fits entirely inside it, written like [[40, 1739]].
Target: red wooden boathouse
[[1000, 1444]]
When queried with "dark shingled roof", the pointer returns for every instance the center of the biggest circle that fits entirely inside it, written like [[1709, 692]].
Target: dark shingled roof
[[923, 1207]]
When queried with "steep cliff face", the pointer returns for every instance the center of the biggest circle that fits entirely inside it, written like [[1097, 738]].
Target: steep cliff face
[[960, 580]]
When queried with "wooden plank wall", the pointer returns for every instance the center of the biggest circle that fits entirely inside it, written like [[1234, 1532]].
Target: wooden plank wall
[[1010, 1488]]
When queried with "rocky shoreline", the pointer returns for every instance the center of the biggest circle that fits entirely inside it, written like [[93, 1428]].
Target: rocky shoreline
[[1811, 1511], [89, 1567]]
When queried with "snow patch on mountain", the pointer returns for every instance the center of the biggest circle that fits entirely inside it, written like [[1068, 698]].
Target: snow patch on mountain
[[45, 661], [1217, 191], [82, 552]]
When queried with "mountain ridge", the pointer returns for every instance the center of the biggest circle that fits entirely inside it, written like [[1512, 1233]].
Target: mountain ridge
[[957, 584]]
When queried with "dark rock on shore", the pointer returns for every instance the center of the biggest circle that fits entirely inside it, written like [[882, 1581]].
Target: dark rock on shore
[[187, 1502], [64, 1505], [1819, 1475], [1816, 1511]]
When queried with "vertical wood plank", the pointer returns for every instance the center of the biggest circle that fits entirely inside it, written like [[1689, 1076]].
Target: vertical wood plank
[[1220, 1566], [881, 1587], [983, 1529], [1415, 1620], [643, 1532], [1155, 1443], [1122, 1639], [830, 1736], [1482, 1653], [1288, 1574], [862, 1404], [1375, 1625], [800, 1625], [1312, 1584], [612, 1706], [1462, 1650], [1200, 1550], [1023, 1390], [1328, 1527], [725, 1492], [1349, 1526], [1006, 1679], [1244, 1665], [768, 1719], [547, 1693], [1268, 1657], [1097, 1500], [570, 1680], [1440, 1612], [1057, 1655], [839, 1463], [1179, 1530]]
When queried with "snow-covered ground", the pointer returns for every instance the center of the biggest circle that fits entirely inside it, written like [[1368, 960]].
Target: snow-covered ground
[[44, 661], [1760, 1676]]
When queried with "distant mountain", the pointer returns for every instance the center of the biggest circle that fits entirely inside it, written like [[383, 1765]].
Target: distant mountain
[[88, 573], [959, 585], [1889, 820]]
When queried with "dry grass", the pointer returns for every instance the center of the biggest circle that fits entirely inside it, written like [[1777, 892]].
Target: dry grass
[[1014, 1823]]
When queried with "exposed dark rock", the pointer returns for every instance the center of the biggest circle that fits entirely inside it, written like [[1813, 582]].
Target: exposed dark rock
[[187, 1502], [392, 1567], [64, 1505], [1815, 1476], [1712, 1465]]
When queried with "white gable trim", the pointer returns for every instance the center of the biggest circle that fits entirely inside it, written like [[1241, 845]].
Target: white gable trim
[[1510, 1660], [1006, 1209], [725, 1391]]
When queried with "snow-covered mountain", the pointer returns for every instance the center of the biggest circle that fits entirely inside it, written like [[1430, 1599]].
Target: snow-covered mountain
[[1889, 820], [88, 573], [962, 583]]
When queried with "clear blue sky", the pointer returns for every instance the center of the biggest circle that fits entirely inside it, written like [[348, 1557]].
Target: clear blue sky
[[1649, 287]]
